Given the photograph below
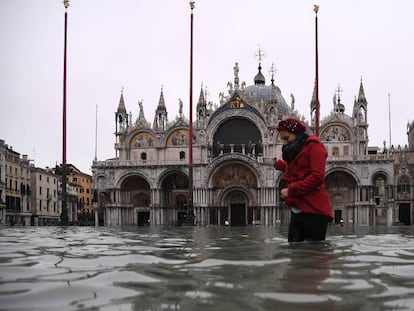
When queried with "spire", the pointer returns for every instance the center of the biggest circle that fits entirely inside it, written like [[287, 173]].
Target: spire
[[160, 118], [201, 99], [121, 106], [361, 94], [161, 102]]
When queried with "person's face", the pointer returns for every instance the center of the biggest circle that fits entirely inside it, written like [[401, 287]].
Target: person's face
[[287, 137]]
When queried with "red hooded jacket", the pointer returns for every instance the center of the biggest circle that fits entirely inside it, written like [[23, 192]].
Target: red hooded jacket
[[305, 177]]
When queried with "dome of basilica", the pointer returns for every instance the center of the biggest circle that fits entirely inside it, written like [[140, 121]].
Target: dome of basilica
[[260, 93]]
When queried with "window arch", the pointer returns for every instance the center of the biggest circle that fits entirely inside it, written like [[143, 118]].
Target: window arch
[[182, 155], [403, 184], [335, 151]]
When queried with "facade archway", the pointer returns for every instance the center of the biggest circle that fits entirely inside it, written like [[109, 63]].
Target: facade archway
[[342, 189], [174, 198]]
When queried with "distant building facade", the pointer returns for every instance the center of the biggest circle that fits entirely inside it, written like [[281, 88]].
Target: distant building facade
[[82, 182], [403, 178], [31, 195], [45, 201], [17, 188], [148, 180], [2, 182]]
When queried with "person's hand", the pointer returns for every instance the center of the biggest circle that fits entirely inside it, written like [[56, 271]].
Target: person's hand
[[284, 193]]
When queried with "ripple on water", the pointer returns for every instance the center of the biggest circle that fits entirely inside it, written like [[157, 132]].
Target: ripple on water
[[300, 298]]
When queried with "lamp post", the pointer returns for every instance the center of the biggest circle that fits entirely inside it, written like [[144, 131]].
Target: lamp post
[[64, 213], [190, 206]]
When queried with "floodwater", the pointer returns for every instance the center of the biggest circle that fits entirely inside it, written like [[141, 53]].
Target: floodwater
[[205, 268]]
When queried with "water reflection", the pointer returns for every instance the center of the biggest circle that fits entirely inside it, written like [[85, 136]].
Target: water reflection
[[205, 268]]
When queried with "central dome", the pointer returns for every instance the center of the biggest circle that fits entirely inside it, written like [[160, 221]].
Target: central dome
[[260, 93]]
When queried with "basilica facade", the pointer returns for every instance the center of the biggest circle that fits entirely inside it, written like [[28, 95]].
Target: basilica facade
[[148, 181]]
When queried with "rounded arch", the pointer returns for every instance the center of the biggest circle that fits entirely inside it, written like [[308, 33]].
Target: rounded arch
[[128, 175], [174, 189], [223, 117], [235, 195], [100, 182], [135, 190], [228, 133], [164, 175], [134, 182], [343, 169], [341, 187], [379, 173]]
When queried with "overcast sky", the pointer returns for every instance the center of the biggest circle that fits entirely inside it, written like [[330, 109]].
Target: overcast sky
[[141, 46]]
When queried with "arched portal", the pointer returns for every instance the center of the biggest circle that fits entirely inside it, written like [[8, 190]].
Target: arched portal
[[236, 202], [135, 194], [135, 190], [174, 198], [342, 189], [235, 187]]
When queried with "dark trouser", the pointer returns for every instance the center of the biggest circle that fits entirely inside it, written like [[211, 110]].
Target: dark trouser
[[307, 227]]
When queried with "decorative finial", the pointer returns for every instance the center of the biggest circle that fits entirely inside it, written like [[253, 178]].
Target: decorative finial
[[272, 71], [260, 54], [192, 5], [316, 8], [339, 90], [66, 3]]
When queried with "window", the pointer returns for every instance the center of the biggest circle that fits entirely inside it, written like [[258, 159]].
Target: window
[[143, 156], [40, 190], [379, 186], [403, 185], [346, 150], [335, 151], [40, 176], [182, 155]]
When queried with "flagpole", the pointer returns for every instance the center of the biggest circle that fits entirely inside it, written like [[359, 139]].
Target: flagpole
[[190, 207], [317, 108], [389, 117], [96, 133], [64, 213]]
